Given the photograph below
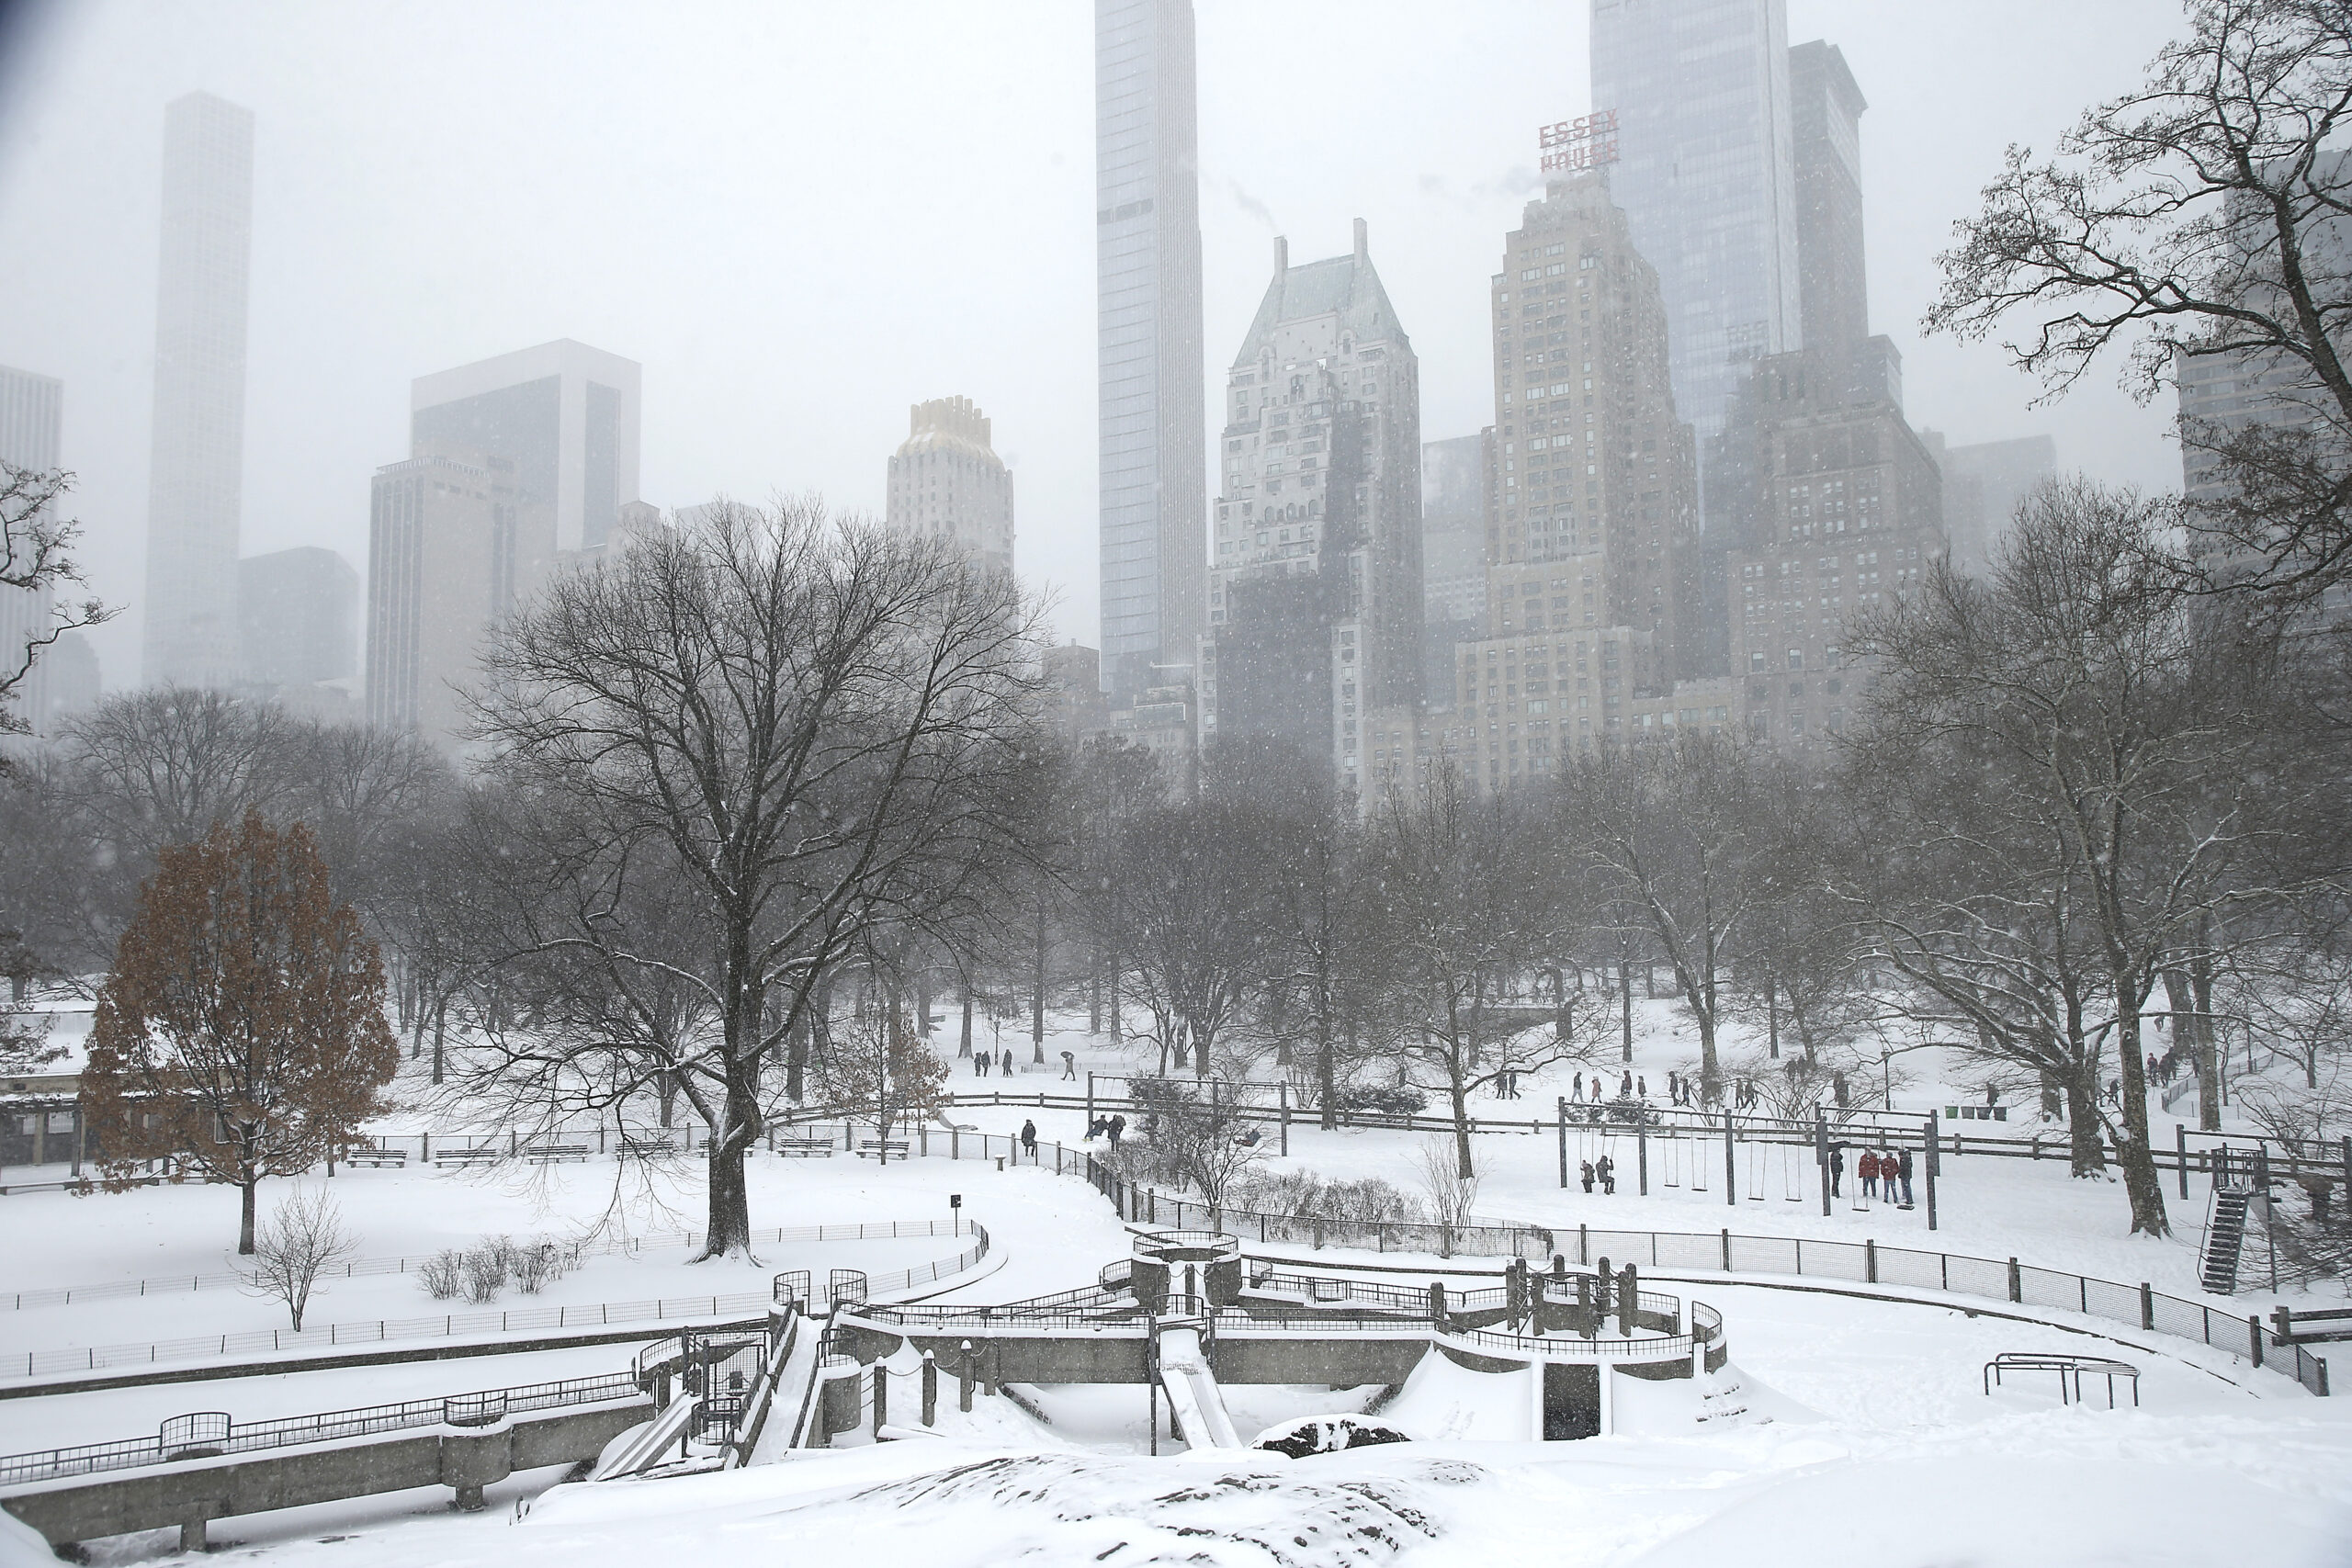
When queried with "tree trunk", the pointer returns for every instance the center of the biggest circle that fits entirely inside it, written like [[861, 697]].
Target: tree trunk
[[1625, 995], [796, 1060], [1461, 1098], [246, 1191], [2088, 1154], [440, 1036], [964, 1045], [1094, 995], [1772, 1014], [2141, 1180], [1038, 994]]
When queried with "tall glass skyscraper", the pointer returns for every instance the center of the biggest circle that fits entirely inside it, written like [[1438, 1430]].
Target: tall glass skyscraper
[[1707, 179], [196, 478], [1148, 280]]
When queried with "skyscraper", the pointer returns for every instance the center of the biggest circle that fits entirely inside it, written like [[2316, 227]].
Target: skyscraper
[[1314, 594], [517, 464], [1706, 175], [31, 418], [1824, 112], [298, 619], [1983, 486], [946, 482], [1147, 319], [197, 471], [564, 413]]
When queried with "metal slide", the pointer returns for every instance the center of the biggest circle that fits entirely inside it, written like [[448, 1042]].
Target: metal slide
[[1193, 1392], [653, 1445]]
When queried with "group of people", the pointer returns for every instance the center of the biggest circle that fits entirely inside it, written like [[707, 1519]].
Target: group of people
[[1506, 1084], [983, 1061], [1603, 1171], [1110, 1127], [1889, 1169], [1628, 1088]]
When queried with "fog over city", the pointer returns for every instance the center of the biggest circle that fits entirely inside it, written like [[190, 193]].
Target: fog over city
[[800, 219], [1312, 783]]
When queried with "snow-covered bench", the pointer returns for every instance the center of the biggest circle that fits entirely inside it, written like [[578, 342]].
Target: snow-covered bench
[[377, 1157], [2312, 1327], [480, 1154], [805, 1145], [884, 1149], [552, 1154]]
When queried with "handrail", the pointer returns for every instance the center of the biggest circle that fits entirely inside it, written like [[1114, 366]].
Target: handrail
[[218, 1434]]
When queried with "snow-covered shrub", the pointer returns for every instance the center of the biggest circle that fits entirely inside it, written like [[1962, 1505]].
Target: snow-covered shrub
[[486, 1267], [442, 1275]]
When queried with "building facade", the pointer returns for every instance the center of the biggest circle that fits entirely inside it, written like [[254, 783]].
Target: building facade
[[566, 415], [1148, 279], [1599, 488], [298, 615], [1826, 108], [1315, 588], [1847, 512], [947, 483], [1706, 175], [197, 465], [446, 563], [32, 421], [1984, 483]]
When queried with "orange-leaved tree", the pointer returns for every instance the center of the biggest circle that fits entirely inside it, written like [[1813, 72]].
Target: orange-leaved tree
[[242, 1030]]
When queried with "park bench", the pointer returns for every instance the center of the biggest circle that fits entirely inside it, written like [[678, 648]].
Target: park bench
[[881, 1148], [2070, 1371], [2312, 1327], [805, 1145], [378, 1157], [552, 1154], [646, 1148], [480, 1154]]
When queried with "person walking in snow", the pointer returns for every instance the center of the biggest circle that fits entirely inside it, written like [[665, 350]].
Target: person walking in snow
[[1116, 1125], [1642, 1088], [1070, 1067], [1008, 1061], [1029, 1140], [1674, 1087], [1903, 1169], [1625, 1088], [980, 1061], [1868, 1170]]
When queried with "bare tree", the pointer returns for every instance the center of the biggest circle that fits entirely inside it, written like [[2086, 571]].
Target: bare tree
[[1687, 838], [2099, 759], [1450, 1190], [1453, 893], [2200, 216], [1195, 926], [37, 558], [810, 728], [300, 1241]]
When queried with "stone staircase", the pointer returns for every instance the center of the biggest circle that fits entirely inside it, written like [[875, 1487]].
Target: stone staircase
[[2224, 1238]]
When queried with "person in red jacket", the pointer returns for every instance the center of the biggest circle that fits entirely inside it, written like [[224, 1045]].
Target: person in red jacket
[[1868, 1171]]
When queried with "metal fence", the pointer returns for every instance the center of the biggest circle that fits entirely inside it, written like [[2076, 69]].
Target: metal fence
[[1865, 1262], [879, 1229], [593, 1315], [208, 1434]]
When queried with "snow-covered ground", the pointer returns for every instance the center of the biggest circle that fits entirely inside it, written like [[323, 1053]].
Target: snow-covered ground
[[1844, 1431]]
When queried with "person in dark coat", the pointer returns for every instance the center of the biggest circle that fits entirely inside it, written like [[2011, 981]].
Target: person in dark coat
[[1116, 1125], [1625, 1088], [1903, 1171], [1836, 1168], [980, 1065], [1070, 1067], [1607, 1171], [1008, 1061], [1588, 1175], [1029, 1139]]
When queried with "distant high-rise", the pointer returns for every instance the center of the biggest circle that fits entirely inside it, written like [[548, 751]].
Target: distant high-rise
[[564, 413], [517, 464], [1706, 175], [1454, 528], [443, 571], [946, 482], [1315, 595], [196, 473], [32, 412], [1824, 110], [298, 618], [1983, 486], [1148, 324]]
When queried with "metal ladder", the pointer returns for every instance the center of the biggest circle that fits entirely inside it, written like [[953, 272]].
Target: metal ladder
[[2224, 1238]]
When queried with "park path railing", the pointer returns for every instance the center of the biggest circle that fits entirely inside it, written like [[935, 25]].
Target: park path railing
[[1865, 1262], [209, 1434], [176, 1284], [526, 1320]]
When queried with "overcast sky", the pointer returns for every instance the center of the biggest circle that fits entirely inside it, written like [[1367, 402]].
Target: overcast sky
[[801, 218]]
